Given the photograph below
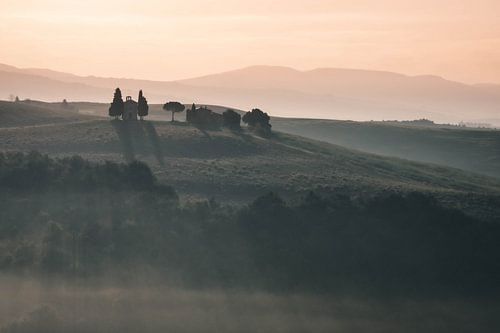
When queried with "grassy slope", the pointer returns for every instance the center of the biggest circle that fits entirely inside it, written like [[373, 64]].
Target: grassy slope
[[36, 114], [238, 166], [475, 150], [156, 111]]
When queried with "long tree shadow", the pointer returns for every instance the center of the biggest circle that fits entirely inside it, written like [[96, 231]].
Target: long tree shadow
[[155, 141], [123, 131], [203, 130], [245, 135]]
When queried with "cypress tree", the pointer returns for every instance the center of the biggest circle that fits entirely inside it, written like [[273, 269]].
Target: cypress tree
[[143, 107], [190, 113], [117, 106]]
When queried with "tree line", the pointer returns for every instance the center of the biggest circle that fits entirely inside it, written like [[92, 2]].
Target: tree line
[[391, 243], [198, 116], [37, 172]]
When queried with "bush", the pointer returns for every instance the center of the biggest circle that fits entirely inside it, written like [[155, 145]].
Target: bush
[[231, 119], [35, 171], [257, 120]]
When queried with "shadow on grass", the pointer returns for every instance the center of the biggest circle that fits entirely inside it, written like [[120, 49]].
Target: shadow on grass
[[204, 131], [138, 137], [154, 140], [124, 133], [248, 135]]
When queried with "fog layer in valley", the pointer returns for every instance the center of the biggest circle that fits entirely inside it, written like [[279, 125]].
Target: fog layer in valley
[[57, 306]]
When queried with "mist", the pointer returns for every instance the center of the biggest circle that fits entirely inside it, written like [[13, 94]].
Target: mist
[[328, 93], [230, 166], [55, 306]]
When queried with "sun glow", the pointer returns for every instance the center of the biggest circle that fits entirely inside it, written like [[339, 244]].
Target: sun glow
[[176, 39]]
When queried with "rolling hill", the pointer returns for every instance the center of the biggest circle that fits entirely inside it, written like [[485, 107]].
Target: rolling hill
[[476, 150], [236, 167], [37, 114], [322, 93]]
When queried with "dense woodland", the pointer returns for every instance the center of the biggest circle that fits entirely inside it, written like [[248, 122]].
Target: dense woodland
[[76, 219]]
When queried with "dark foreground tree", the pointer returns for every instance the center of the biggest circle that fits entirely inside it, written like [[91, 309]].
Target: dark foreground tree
[[143, 107], [231, 119], [117, 106], [173, 107], [257, 119]]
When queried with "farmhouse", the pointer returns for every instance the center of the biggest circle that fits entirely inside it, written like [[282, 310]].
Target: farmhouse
[[130, 109], [204, 117]]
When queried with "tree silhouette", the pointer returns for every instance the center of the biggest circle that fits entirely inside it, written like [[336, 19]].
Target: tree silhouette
[[190, 113], [117, 106], [143, 107], [231, 119], [174, 107], [257, 119]]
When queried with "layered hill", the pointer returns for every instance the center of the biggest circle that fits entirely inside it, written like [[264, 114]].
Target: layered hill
[[322, 93], [357, 94], [476, 150], [237, 166]]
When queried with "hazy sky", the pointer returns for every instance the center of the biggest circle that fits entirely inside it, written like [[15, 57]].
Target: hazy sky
[[167, 39]]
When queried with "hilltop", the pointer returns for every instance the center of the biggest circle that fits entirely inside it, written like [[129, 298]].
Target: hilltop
[[237, 166], [37, 114], [329, 93], [470, 149]]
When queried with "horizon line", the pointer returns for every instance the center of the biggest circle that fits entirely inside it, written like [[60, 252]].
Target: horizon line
[[244, 68]]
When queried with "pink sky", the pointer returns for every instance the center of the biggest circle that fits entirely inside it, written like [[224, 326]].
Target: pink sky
[[166, 39]]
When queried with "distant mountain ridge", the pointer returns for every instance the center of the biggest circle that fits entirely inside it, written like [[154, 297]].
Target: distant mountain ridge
[[320, 93]]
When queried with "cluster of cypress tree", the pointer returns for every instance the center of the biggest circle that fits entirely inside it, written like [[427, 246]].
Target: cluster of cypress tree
[[255, 119], [118, 106]]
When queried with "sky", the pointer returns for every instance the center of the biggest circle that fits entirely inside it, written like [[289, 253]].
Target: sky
[[168, 40]]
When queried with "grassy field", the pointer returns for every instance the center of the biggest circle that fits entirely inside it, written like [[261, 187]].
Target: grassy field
[[177, 250], [156, 111], [476, 150], [37, 114], [236, 167]]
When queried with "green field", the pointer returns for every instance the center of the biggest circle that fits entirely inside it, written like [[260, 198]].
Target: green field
[[476, 150], [236, 167], [108, 247]]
